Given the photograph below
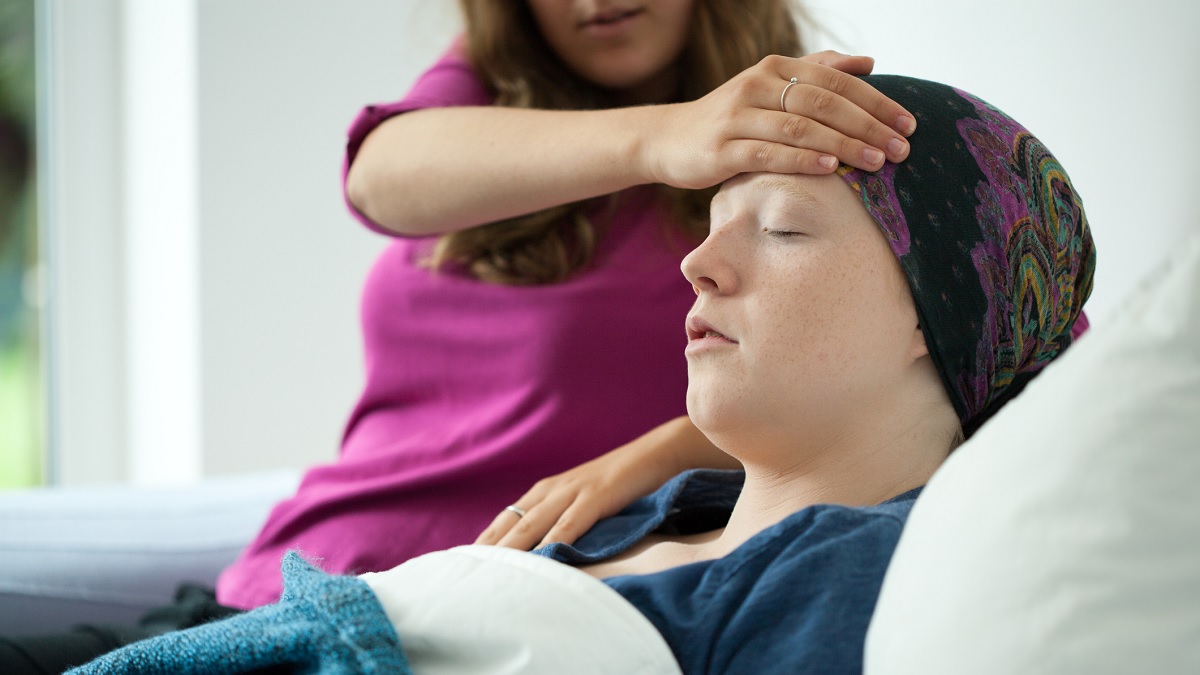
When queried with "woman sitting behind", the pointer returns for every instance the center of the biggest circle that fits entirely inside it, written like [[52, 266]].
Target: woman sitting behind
[[838, 352]]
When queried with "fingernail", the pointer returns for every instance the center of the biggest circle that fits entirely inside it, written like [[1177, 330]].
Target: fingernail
[[872, 156], [897, 148], [905, 124], [827, 161]]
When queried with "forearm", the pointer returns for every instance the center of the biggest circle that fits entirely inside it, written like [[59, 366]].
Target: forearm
[[446, 169]]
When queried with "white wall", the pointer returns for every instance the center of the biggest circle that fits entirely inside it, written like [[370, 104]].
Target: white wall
[[281, 261], [218, 124], [1110, 87]]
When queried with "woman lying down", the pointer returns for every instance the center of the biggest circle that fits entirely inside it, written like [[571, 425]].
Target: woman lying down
[[839, 352]]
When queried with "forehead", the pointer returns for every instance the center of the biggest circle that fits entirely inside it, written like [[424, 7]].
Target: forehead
[[829, 195], [799, 190]]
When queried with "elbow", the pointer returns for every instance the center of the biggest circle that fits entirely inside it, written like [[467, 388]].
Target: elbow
[[379, 204], [357, 194], [362, 194]]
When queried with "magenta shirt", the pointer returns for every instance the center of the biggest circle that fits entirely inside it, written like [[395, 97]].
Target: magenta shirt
[[474, 391]]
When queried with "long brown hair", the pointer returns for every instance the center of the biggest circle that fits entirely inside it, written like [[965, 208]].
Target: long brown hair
[[508, 52]]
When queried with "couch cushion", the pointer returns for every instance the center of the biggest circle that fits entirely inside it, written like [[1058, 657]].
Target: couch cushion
[[1064, 537]]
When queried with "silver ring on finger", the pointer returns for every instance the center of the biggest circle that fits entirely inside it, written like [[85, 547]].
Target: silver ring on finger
[[513, 508], [783, 96]]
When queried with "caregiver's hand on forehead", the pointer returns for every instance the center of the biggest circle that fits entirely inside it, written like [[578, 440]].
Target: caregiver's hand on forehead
[[827, 117]]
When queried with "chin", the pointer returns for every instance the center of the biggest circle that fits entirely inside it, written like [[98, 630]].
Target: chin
[[712, 415]]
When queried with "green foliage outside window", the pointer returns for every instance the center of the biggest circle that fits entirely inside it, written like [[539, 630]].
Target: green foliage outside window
[[20, 379]]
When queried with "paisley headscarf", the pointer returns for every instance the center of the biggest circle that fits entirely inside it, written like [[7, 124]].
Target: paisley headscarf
[[992, 238]]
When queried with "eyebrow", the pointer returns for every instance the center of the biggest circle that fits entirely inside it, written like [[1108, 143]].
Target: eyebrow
[[793, 189]]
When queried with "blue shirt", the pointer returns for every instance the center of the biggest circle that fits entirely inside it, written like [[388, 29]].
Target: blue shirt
[[795, 598]]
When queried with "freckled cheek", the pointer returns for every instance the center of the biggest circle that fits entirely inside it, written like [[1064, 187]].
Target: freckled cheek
[[820, 338], [795, 345]]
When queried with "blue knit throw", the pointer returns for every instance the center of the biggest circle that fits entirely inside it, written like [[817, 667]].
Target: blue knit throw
[[322, 624]]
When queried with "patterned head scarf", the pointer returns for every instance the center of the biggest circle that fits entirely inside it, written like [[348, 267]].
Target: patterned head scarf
[[992, 238]]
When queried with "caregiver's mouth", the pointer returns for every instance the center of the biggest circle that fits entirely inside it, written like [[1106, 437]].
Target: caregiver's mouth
[[611, 17]]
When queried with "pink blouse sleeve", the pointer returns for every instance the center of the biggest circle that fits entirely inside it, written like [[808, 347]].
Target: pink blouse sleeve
[[449, 82]]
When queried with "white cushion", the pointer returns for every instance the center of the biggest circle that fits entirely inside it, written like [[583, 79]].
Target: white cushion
[[488, 610], [1065, 536]]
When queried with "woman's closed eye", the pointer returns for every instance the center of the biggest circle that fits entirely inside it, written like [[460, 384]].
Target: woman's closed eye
[[783, 233]]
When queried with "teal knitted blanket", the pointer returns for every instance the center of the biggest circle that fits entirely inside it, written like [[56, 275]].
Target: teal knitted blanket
[[322, 624]]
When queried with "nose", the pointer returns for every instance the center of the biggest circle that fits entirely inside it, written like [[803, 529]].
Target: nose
[[709, 268]]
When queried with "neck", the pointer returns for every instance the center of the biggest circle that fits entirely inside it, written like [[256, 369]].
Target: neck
[[659, 88], [863, 468]]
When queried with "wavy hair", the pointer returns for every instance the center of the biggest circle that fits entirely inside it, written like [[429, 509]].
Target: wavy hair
[[510, 56]]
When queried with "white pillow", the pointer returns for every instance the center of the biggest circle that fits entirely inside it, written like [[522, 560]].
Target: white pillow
[[1065, 536], [489, 610]]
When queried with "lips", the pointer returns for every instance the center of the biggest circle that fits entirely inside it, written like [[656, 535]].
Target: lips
[[610, 16], [698, 329]]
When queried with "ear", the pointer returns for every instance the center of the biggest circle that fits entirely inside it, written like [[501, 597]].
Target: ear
[[917, 347]]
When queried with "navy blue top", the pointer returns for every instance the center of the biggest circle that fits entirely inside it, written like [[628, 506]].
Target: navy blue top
[[795, 598]]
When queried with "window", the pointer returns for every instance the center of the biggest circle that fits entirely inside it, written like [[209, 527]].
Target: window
[[21, 448]]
